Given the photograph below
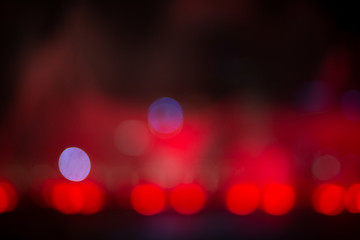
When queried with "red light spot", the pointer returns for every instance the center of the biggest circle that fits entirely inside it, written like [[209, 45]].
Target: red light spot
[[72, 198], [67, 198], [94, 198], [278, 199], [187, 198], [148, 199], [4, 201], [328, 199], [352, 198], [243, 199], [8, 197]]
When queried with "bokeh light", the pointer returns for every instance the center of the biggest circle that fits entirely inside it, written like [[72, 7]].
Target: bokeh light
[[314, 96], [8, 197], [326, 167], [67, 198], [165, 116], [328, 199], [350, 105], [148, 199], [77, 198], [243, 199], [352, 198], [187, 198], [132, 138], [278, 199], [94, 199], [74, 164]]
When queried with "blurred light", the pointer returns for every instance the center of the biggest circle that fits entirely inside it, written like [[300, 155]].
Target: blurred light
[[71, 198], [328, 199], [243, 199], [165, 116], [148, 199], [273, 165], [74, 164], [4, 200], [187, 198], [352, 198], [326, 167], [67, 198], [314, 96], [8, 197], [132, 138], [278, 199], [350, 105], [94, 198]]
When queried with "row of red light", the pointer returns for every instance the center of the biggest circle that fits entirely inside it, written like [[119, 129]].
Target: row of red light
[[187, 199]]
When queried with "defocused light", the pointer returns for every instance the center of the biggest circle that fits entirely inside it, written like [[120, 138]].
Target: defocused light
[[243, 199], [165, 115], [148, 199], [350, 105], [8, 197], [94, 198], [4, 200], [352, 198], [67, 198], [132, 138], [74, 164], [278, 199], [314, 96], [328, 199], [187, 198], [325, 167], [71, 198]]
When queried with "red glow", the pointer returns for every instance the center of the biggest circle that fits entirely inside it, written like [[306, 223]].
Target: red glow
[[278, 199], [352, 199], [72, 198], [4, 201], [187, 198], [67, 198], [8, 197], [328, 199], [148, 199], [243, 199], [94, 198]]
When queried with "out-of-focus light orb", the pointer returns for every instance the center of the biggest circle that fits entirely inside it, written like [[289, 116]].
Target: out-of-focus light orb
[[328, 199], [67, 198], [278, 199], [187, 199], [243, 199], [352, 198], [350, 105], [74, 164], [4, 200], [8, 197], [132, 138], [94, 198], [314, 96], [148, 199], [326, 167], [77, 198], [165, 115]]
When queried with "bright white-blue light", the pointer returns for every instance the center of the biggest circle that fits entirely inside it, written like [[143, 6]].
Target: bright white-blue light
[[74, 164], [165, 115]]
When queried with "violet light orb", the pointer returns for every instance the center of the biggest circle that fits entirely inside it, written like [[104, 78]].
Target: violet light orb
[[74, 164], [165, 115]]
